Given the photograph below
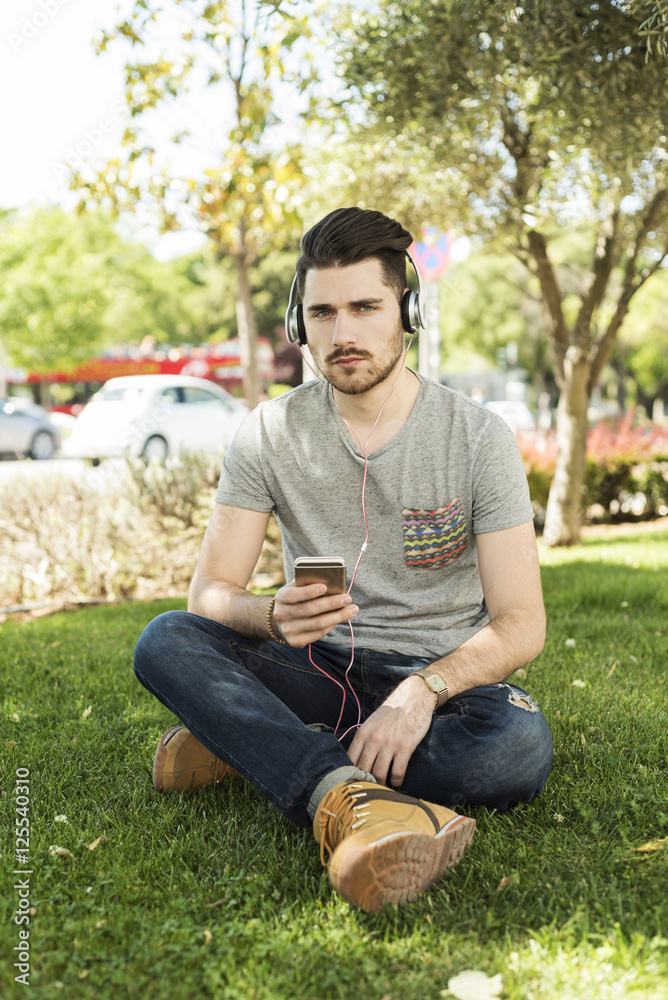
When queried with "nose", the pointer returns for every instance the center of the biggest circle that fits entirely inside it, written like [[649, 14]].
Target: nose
[[343, 333]]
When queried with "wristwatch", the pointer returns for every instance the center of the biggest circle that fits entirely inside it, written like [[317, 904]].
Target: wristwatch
[[435, 683]]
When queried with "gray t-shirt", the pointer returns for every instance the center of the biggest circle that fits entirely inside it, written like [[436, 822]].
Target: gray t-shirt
[[453, 471]]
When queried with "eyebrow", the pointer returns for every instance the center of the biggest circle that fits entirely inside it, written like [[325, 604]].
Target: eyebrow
[[356, 303]]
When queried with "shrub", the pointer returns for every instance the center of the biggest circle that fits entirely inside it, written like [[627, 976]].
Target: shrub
[[177, 494], [540, 457], [125, 531], [63, 539], [626, 470]]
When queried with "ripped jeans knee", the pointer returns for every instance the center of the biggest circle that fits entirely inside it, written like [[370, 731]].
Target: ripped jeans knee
[[519, 698]]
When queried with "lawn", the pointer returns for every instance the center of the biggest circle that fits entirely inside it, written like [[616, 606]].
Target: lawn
[[216, 895]]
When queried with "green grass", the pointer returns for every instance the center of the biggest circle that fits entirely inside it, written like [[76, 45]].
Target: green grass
[[216, 895]]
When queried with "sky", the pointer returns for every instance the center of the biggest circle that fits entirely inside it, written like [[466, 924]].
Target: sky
[[61, 100], [57, 93]]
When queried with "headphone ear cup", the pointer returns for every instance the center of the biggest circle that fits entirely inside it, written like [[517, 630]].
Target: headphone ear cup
[[301, 329], [409, 312], [295, 328], [405, 322]]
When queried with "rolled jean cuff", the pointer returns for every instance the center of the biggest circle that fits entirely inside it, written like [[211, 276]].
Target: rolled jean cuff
[[335, 778]]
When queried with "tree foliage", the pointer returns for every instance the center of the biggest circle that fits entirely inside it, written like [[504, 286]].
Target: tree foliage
[[248, 203], [527, 120], [641, 358], [210, 296], [655, 25], [70, 286], [529, 123], [488, 302]]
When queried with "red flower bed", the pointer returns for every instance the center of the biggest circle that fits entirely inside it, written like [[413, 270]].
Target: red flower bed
[[626, 474]]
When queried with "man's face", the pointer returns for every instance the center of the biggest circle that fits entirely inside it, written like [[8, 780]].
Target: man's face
[[353, 325]]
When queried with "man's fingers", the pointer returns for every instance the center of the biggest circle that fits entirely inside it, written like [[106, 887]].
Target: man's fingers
[[358, 749], [368, 752], [381, 767], [301, 603], [310, 629], [314, 618], [383, 749], [398, 773], [310, 594], [355, 749], [290, 594], [378, 763], [306, 621]]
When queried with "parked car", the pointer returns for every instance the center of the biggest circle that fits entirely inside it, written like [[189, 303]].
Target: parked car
[[62, 421], [516, 414], [155, 416], [26, 431]]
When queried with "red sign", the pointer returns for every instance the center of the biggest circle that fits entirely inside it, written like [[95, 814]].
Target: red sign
[[433, 255]]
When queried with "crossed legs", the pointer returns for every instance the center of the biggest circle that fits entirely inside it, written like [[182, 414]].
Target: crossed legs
[[250, 702]]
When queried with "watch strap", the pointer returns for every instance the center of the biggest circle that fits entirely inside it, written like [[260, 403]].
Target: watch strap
[[442, 695]]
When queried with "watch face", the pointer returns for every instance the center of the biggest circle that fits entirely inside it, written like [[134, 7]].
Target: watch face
[[436, 683]]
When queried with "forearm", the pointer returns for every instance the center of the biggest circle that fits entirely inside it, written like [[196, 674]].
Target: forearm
[[233, 606], [387, 739], [506, 643]]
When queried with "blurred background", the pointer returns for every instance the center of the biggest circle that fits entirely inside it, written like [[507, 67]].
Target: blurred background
[[162, 159]]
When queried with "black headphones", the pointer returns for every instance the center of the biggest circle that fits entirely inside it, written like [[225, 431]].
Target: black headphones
[[412, 311]]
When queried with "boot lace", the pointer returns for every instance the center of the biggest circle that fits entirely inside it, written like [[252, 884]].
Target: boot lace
[[348, 811]]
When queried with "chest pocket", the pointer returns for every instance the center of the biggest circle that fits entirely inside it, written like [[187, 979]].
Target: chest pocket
[[434, 538]]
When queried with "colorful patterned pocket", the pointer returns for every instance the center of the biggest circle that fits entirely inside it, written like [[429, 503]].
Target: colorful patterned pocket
[[434, 538]]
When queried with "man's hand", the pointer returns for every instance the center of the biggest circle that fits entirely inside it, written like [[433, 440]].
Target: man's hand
[[304, 615], [391, 734]]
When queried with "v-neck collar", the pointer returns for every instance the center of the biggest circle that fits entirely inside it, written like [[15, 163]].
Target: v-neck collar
[[348, 439]]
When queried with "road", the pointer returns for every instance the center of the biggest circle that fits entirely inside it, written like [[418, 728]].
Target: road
[[74, 467]]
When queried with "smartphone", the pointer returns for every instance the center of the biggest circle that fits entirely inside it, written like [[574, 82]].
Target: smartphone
[[321, 569]]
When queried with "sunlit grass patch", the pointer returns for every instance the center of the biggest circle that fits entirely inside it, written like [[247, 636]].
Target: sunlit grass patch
[[216, 895]]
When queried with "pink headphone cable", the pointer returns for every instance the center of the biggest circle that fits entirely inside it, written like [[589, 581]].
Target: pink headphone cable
[[366, 539]]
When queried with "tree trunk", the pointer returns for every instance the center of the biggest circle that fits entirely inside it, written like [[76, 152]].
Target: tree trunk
[[621, 372], [564, 506], [247, 334], [4, 361], [45, 395]]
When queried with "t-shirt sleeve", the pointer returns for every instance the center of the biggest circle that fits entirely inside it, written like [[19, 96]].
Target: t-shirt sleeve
[[500, 489], [242, 482]]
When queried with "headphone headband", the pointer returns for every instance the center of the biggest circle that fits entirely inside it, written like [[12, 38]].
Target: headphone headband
[[412, 310]]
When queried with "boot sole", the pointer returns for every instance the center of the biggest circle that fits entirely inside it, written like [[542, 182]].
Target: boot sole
[[397, 868]]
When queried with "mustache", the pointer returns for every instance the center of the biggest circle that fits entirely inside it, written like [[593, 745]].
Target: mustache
[[349, 353]]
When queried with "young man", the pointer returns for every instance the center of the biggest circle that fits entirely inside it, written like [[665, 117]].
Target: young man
[[445, 605]]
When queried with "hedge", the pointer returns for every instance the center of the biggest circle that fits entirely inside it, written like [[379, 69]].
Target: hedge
[[626, 470]]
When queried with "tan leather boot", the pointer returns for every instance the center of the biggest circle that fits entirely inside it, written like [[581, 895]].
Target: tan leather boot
[[384, 846], [182, 763]]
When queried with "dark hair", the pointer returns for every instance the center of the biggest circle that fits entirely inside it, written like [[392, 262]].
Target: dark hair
[[351, 235]]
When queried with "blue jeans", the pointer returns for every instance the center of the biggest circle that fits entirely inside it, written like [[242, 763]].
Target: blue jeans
[[251, 701]]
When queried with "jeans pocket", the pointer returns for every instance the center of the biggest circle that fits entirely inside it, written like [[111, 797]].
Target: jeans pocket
[[434, 538]]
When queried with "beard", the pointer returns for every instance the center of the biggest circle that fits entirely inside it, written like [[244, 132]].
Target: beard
[[375, 369]]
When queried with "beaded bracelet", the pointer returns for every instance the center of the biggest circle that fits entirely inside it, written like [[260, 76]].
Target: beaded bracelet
[[270, 627]]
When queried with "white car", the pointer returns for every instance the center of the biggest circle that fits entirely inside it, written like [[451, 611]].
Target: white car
[[26, 431], [155, 416]]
